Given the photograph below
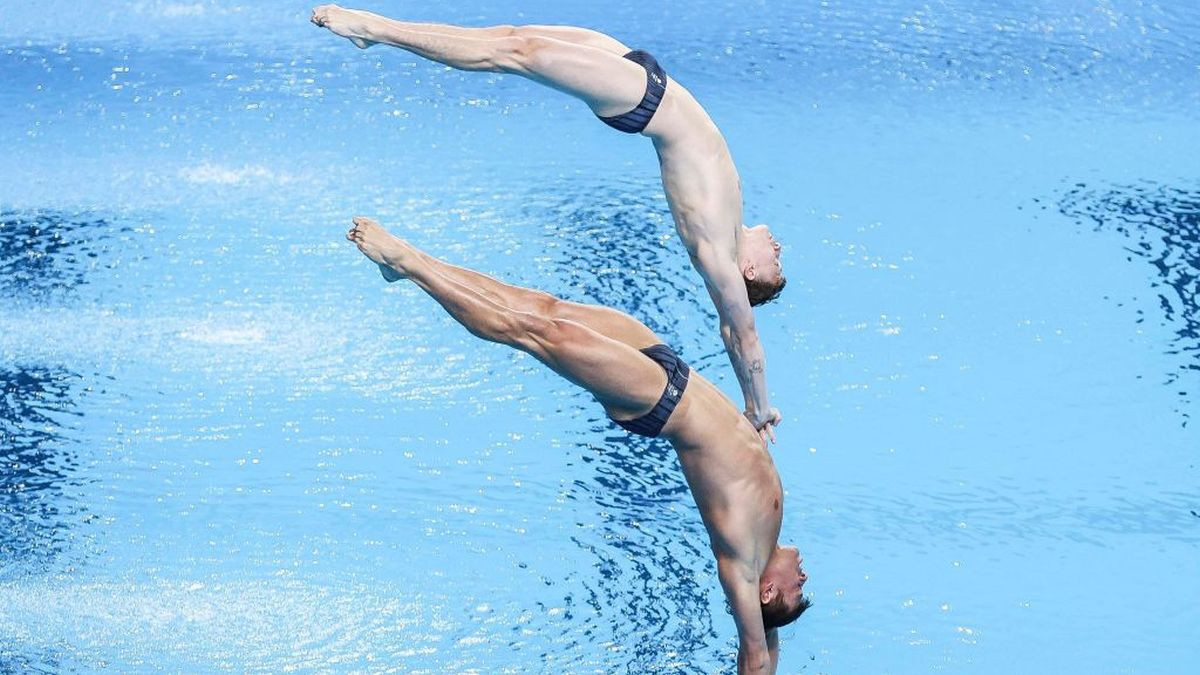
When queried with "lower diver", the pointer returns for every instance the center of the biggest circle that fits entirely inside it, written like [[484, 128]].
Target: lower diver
[[646, 388]]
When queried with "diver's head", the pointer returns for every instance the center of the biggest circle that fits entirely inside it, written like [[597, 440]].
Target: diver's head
[[758, 258], [781, 588]]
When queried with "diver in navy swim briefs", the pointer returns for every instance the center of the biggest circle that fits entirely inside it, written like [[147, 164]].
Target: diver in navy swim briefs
[[652, 422], [646, 388], [629, 90]]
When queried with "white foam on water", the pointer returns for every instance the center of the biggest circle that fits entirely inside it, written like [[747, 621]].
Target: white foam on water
[[249, 335], [176, 10], [98, 335], [171, 9], [281, 625], [337, 352], [209, 173]]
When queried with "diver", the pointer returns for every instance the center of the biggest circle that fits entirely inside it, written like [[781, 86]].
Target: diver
[[628, 90], [647, 389]]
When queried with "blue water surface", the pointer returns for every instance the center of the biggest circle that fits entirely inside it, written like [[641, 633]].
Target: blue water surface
[[226, 444]]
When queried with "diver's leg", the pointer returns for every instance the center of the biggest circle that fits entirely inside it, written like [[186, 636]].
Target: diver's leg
[[608, 83], [574, 34], [604, 320], [623, 380]]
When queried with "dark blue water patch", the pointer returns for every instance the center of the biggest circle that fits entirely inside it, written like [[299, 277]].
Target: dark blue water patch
[[39, 468], [46, 255], [654, 568], [613, 243], [1162, 224]]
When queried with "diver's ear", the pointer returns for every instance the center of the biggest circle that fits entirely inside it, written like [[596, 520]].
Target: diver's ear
[[767, 593], [749, 272]]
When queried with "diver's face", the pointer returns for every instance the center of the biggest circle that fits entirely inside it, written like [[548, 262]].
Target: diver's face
[[761, 251], [786, 568]]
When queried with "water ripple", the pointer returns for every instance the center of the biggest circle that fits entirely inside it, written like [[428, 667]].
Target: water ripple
[[655, 572], [45, 253], [38, 509], [613, 243], [1163, 224]]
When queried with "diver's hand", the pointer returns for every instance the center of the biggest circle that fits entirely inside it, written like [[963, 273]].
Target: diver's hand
[[765, 423]]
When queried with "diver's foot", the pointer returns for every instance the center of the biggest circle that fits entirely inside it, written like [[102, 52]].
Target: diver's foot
[[346, 23], [382, 248]]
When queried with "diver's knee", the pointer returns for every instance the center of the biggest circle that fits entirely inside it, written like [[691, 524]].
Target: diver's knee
[[523, 32], [522, 330], [552, 307], [523, 52], [539, 334]]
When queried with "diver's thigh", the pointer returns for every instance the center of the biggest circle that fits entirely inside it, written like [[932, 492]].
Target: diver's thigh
[[609, 322], [609, 84], [580, 36], [625, 381]]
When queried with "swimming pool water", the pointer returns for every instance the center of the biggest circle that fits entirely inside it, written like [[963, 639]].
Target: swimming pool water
[[227, 444]]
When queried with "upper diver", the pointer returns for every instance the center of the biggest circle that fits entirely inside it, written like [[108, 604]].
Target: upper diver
[[628, 90]]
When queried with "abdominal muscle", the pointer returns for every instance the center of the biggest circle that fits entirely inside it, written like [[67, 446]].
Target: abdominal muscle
[[730, 473]]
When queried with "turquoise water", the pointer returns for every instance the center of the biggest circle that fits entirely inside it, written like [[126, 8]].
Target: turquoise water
[[228, 445]]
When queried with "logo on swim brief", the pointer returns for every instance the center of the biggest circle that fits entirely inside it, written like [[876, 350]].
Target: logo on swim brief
[[672, 391], [656, 78]]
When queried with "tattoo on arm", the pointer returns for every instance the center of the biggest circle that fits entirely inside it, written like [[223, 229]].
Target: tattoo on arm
[[756, 366]]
